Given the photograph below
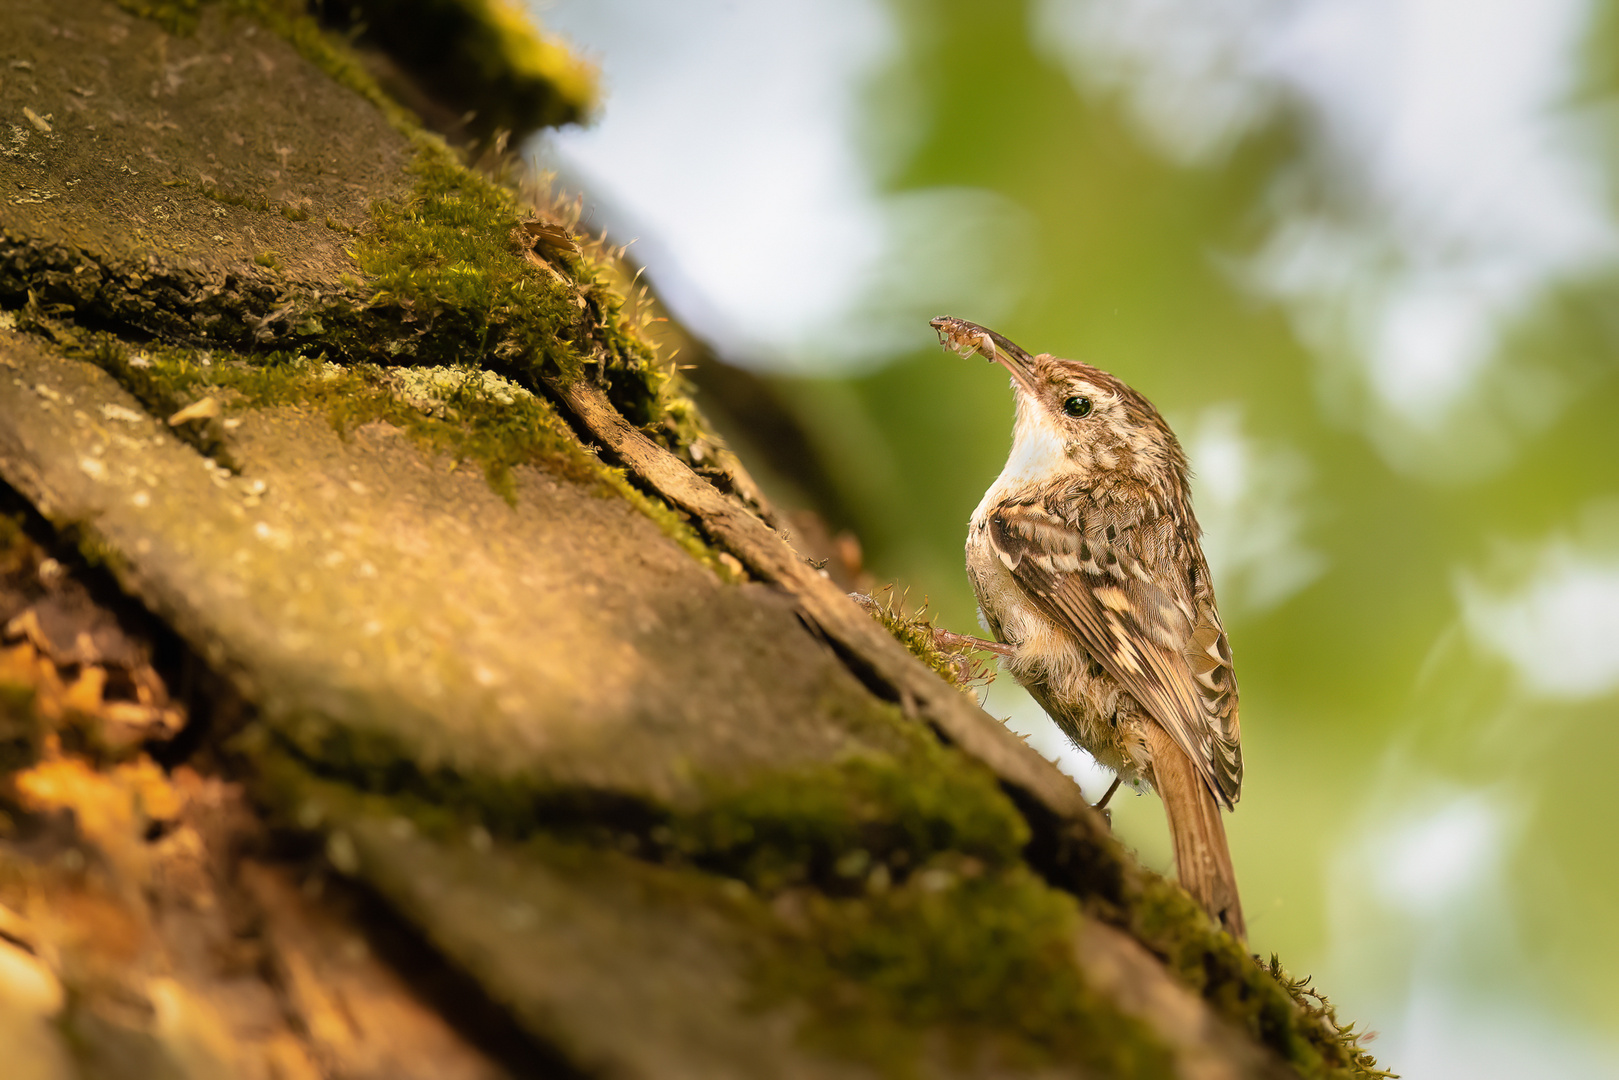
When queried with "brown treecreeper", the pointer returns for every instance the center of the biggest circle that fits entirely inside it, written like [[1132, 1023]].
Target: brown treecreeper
[[1085, 557]]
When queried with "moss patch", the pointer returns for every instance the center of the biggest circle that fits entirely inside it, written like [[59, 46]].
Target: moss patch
[[1350, 1057], [980, 962], [885, 808], [1113, 887], [915, 630], [1283, 1013], [885, 894], [462, 272], [465, 412], [175, 16], [448, 274], [856, 823], [465, 418], [443, 271]]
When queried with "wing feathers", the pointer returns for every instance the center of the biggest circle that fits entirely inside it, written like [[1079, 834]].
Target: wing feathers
[[1164, 644]]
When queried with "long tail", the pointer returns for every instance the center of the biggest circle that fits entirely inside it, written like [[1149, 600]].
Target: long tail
[[1202, 859]]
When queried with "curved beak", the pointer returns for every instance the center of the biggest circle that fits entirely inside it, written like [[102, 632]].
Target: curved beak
[[967, 338]]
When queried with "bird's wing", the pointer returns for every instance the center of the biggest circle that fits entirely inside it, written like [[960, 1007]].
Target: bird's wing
[[1160, 637]]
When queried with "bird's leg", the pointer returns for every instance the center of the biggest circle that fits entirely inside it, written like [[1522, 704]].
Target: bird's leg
[[1100, 805], [951, 641]]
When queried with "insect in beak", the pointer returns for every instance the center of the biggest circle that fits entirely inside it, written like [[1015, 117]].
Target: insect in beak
[[966, 338]]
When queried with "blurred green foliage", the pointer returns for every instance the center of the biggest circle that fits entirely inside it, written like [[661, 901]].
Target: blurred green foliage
[[1367, 700]]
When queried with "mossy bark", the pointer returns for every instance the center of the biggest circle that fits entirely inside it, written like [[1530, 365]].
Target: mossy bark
[[497, 758]]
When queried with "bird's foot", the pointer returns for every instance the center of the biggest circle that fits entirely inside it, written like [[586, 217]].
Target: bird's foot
[[950, 641]]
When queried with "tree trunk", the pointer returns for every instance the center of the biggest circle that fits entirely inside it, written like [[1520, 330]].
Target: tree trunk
[[397, 679]]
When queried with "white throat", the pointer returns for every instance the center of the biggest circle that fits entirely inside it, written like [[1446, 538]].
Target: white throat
[[1038, 453]]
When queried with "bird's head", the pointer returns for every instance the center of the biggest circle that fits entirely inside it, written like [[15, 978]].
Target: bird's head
[[1075, 422]]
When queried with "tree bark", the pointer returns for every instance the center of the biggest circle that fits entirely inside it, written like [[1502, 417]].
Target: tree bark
[[397, 680]]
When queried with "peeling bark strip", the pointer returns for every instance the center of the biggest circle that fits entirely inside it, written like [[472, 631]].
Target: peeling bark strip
[[871, 653]]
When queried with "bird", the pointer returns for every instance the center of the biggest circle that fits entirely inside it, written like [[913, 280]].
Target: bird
[[1087, 564]]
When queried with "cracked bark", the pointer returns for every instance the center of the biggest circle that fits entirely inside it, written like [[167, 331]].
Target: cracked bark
[[425, 816]]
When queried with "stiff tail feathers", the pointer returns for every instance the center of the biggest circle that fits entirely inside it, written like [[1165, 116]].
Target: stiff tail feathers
[[1202, 858]]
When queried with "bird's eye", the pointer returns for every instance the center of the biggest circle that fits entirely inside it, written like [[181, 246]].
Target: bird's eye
[[1077, 406]]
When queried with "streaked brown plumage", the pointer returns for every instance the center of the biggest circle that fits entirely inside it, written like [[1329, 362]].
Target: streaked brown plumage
[[1085, 557]]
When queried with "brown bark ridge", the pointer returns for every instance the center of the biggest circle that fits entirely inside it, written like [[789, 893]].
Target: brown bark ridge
[[397, 679]]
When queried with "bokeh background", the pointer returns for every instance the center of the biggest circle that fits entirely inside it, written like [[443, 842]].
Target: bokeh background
[[1363, 254]]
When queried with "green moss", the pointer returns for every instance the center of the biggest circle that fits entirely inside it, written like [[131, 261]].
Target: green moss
[[1113, 887], [92, 547], [904, 910], [454, 274], [1350, 1058], [915, 631], [886, 896], [454, 263], [442, 266], [451, 277], [467, 412], [981, 963], [833, 823], [175, 16], [466, 417], [839, 824], [1280, 1012], [302, 794]]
